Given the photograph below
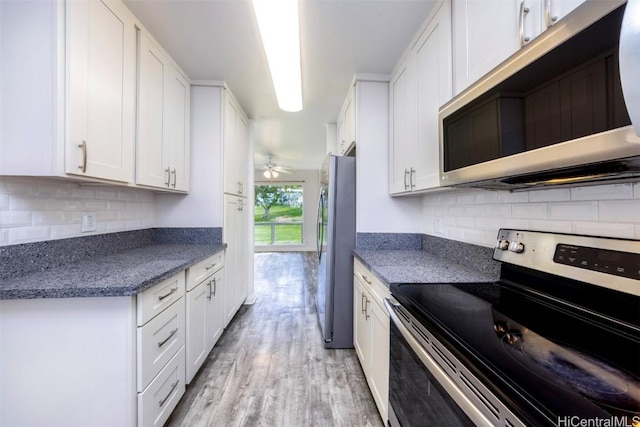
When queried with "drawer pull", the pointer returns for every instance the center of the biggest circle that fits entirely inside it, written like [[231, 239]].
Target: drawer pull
[[366, 279], [161, 343], [211, 266], [173, 387], [173, 290]]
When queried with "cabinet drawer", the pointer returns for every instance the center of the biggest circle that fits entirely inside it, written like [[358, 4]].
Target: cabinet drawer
[[156, 403], [157, 298], [378, 290], [158, 341], [197, 273]]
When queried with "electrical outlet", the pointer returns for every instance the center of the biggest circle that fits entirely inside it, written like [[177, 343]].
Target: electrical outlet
[[88, 221], [438, 225]]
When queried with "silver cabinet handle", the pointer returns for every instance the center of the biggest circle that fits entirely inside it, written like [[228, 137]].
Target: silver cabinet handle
[[240, 205], [548, 19], [173, 290], [239, 187], [406, 172], [173, 387], [168, 171], [164, 341], [523, 11], [215, 283], [411, 172], [209, 267], [362, 303], [83, 147], [175, 178], [366, 279], [366, 308], [209, 285]]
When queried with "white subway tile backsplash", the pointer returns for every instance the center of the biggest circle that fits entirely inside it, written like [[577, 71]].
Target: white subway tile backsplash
[[36, 209], [29, 234], [549, 225], [622, 230], [620, 210], [513, 197], [4, 202], [529, 210], [573, 210], [14, 219], [602, 192], [550, 195], [605, 210]]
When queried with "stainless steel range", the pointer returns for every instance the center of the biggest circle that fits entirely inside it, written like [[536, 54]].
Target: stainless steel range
[[556, 341]]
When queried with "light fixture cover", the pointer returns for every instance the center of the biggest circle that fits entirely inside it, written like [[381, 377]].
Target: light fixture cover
[[280, 32], [270, 173]]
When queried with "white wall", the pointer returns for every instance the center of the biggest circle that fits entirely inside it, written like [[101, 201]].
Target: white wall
[[475, 216], [38, 209], [376, 211], [202, 207], [311, 180]]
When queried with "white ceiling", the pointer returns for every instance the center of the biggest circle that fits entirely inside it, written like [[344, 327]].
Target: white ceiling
[[219, 40]]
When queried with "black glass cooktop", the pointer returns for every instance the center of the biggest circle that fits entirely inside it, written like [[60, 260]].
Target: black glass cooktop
[[546, 358]]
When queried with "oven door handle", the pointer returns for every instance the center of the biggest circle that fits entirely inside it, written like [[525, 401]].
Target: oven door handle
[[445, 381]]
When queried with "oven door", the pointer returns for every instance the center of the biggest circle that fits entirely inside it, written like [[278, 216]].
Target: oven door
[[421, 388]]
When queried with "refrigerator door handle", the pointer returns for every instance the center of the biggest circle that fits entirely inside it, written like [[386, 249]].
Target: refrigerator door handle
[[319, 226]]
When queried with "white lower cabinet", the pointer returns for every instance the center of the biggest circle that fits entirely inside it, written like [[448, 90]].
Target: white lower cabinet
[[108, 361], [371, 334], [158, 400], [205, 314]]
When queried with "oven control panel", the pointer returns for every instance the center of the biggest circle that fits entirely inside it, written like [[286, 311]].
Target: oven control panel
[[618, 263], [607, 262]]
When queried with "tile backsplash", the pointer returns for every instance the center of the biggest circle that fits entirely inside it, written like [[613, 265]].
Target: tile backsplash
[[474, 216], [37, 209]]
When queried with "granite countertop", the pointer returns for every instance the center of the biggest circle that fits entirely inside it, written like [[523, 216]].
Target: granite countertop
[[126, 273], [420, 266]]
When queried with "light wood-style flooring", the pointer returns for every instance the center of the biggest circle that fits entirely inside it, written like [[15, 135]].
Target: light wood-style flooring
[[269, 368]]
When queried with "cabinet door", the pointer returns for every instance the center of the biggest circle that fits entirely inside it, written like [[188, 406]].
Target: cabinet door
[[433, 52], [215, 311], [101, 84], [341, 145], [360, 326], [379, 356], [242, 251], [350, 120], [176, 129], [402, 98], [197, 340], [242, 153], [554, 10], [231, 257], [485, 33], [231, 156], [152, 66]]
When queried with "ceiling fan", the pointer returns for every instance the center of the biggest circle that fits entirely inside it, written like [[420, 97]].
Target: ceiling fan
[[272, 170]]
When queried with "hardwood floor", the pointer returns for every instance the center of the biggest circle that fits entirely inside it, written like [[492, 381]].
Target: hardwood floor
[[269, 368]]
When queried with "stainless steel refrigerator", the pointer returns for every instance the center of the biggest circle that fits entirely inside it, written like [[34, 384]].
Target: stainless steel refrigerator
[[336, 237]]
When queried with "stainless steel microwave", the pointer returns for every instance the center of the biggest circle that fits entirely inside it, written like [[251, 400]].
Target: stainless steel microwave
[[560, 111]]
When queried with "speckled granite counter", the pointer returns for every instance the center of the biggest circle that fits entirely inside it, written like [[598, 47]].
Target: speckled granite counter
[[420, 266], [126, 273]]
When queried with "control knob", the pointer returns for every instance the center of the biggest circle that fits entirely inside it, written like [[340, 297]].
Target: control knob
[[502, 244], [516, 247]]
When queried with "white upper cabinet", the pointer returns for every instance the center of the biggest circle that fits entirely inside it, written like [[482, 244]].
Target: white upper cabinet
[[486, 32], [236, 147], [163, 120], [101, 90], [420, 85], [347, 123]]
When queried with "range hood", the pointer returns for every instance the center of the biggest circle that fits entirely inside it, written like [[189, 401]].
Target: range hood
[[560, 112]]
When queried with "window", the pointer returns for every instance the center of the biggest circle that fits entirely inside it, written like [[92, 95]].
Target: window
[[278, 214]]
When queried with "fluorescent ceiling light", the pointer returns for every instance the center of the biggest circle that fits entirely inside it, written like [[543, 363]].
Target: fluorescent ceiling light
[[280, 32]]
